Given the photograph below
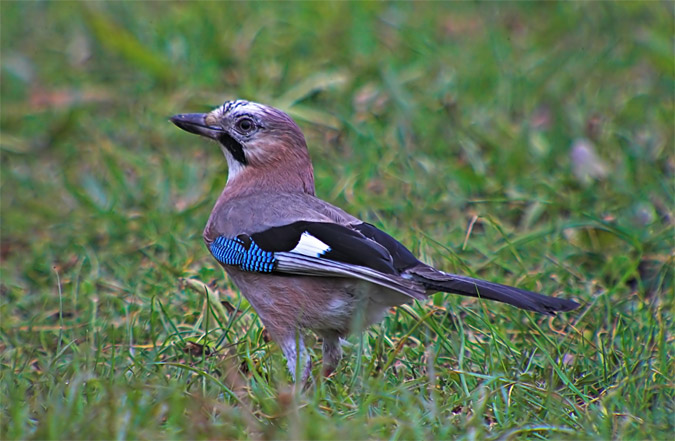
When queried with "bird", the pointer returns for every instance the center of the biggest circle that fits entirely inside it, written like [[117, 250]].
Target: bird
[[303, 263]]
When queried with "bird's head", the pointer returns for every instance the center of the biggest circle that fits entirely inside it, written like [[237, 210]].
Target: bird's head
[[263, 146]]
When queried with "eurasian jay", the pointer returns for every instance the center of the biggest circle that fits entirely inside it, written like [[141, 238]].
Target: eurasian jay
[[302, 263]]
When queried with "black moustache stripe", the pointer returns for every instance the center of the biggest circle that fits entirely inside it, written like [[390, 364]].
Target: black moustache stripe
[[231, 144]]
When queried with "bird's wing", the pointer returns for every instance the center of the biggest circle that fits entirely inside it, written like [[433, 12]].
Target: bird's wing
[[314, 249], [434, 280], [401, 256]]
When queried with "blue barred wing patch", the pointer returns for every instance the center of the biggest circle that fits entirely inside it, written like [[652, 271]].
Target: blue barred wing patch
[[243, 253]]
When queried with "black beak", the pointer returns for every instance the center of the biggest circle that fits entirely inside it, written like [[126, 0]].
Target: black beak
[[195, 123]]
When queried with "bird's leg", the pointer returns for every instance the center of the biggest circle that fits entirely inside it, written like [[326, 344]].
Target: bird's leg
[[332, 352], [297, 358]]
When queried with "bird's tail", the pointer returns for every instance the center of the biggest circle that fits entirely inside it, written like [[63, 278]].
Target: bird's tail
[[435, 280]]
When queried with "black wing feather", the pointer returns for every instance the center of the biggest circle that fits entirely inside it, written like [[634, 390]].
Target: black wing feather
[[403, 258], [346, 245], [283, 238]]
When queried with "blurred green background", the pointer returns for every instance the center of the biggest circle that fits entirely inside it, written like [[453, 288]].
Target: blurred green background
[[526, 143]]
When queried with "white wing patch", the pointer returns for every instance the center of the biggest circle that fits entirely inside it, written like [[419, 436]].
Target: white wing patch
[[310, 246]]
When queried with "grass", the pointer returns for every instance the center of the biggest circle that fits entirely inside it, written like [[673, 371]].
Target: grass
[[525, 143]]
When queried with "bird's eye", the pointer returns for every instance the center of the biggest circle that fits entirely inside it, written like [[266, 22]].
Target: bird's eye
[[245, 125]]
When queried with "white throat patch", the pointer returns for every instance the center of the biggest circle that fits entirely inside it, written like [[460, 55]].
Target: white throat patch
[[234, 167]]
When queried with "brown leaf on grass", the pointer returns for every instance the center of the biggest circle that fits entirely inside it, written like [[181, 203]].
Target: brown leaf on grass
[[9, 246], [541, 118], [454, 26], [230, 308], [594, 127], [41, 99], [197, 349]]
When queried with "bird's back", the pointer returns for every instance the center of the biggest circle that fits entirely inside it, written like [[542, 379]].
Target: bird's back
[[252, 213]]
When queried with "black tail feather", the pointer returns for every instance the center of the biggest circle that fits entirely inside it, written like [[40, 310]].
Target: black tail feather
[[436, 280]]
